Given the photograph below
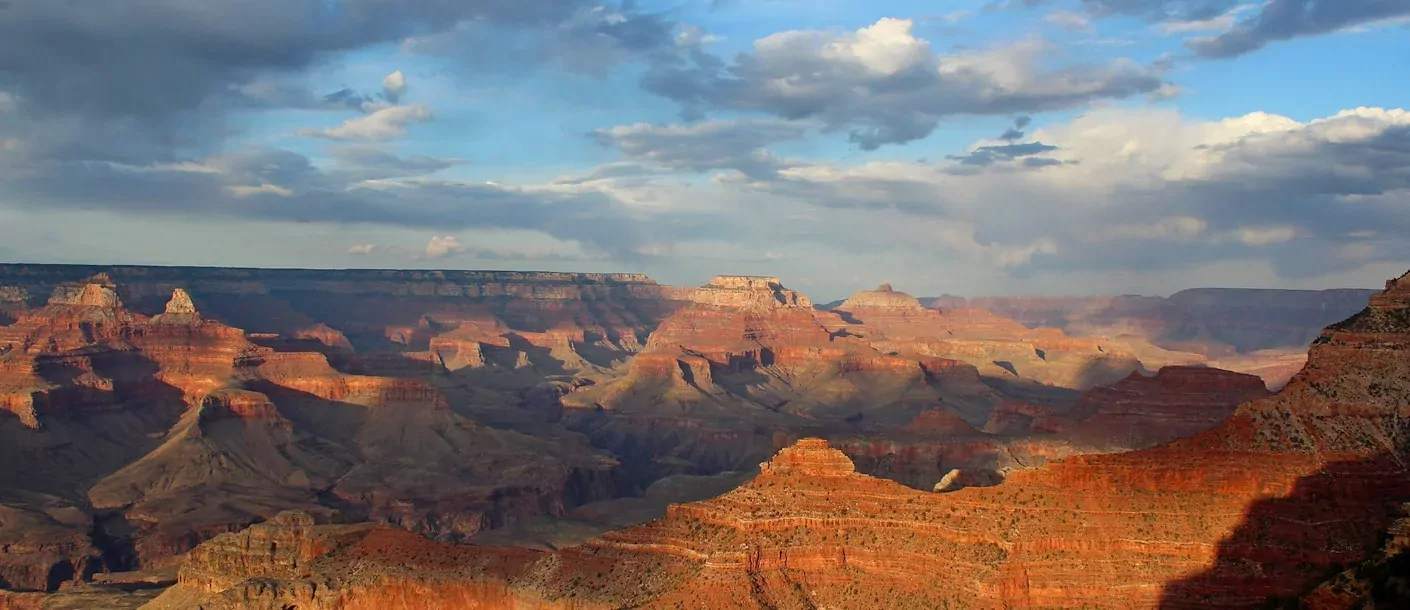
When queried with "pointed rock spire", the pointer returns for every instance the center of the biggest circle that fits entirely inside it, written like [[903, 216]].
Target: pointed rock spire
[[180, 304]]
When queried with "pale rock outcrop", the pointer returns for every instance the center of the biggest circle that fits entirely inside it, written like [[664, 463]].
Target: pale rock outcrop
[[87, 295], [949, 482], [180, 304], [749, 292]]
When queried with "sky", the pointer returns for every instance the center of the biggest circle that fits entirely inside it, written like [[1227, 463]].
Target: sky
[[974, 147]]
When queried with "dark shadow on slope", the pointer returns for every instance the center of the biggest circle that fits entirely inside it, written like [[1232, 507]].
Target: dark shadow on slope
[[1333, 518]]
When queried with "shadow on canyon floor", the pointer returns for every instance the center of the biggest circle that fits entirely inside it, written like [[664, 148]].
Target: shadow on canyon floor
[[1285, 546]]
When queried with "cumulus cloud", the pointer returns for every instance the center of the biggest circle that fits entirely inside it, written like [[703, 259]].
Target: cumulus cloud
[[883, 85], [388, 123], [362, 249]]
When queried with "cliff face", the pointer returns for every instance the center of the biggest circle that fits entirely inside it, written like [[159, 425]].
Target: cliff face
[[1276, 499], [1177, 402]]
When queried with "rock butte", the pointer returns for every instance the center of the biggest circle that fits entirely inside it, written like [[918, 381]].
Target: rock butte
[[1228, 518]]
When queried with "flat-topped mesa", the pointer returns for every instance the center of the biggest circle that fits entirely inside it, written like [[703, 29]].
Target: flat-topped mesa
[[86, 295], [810, 457], [180, 304], [884, 297], [749, 292]]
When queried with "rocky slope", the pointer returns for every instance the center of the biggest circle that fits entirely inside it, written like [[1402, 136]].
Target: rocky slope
[[1281, 496]]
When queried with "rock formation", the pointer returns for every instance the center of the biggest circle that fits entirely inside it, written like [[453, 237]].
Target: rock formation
[[148, 435], [1140, 411], [180, 304], [1281, 496]]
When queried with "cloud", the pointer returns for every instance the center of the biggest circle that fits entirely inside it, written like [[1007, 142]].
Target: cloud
[[951, 17], [369, 162], [1068, 20], [443, 246], [709, 145], [362, 249], [1220, 23], [883, 85], [244, 191], [989, 155], [150, 81], [280, 186], [383, 124], [1280, 20], [1273, 21], [518, 247], [1148, 189], [394, 86]]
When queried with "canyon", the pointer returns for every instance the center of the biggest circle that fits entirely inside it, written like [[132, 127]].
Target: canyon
[[556, 439]]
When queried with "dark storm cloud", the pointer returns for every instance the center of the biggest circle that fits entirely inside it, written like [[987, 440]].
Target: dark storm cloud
[[890, 97]]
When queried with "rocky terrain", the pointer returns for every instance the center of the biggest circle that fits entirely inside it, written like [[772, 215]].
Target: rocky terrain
[[131, 439], [1272, 504], [146, 410]]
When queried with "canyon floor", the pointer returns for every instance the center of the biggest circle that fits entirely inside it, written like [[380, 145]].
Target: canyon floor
[[246, 438]]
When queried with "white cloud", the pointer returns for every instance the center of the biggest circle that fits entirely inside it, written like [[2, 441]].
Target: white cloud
[[882, 84], [443, 246], [885, 48], [362, 249], [394, 86], [387, 123]]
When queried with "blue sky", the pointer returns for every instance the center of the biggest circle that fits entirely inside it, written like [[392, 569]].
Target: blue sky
[[987, 147]]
